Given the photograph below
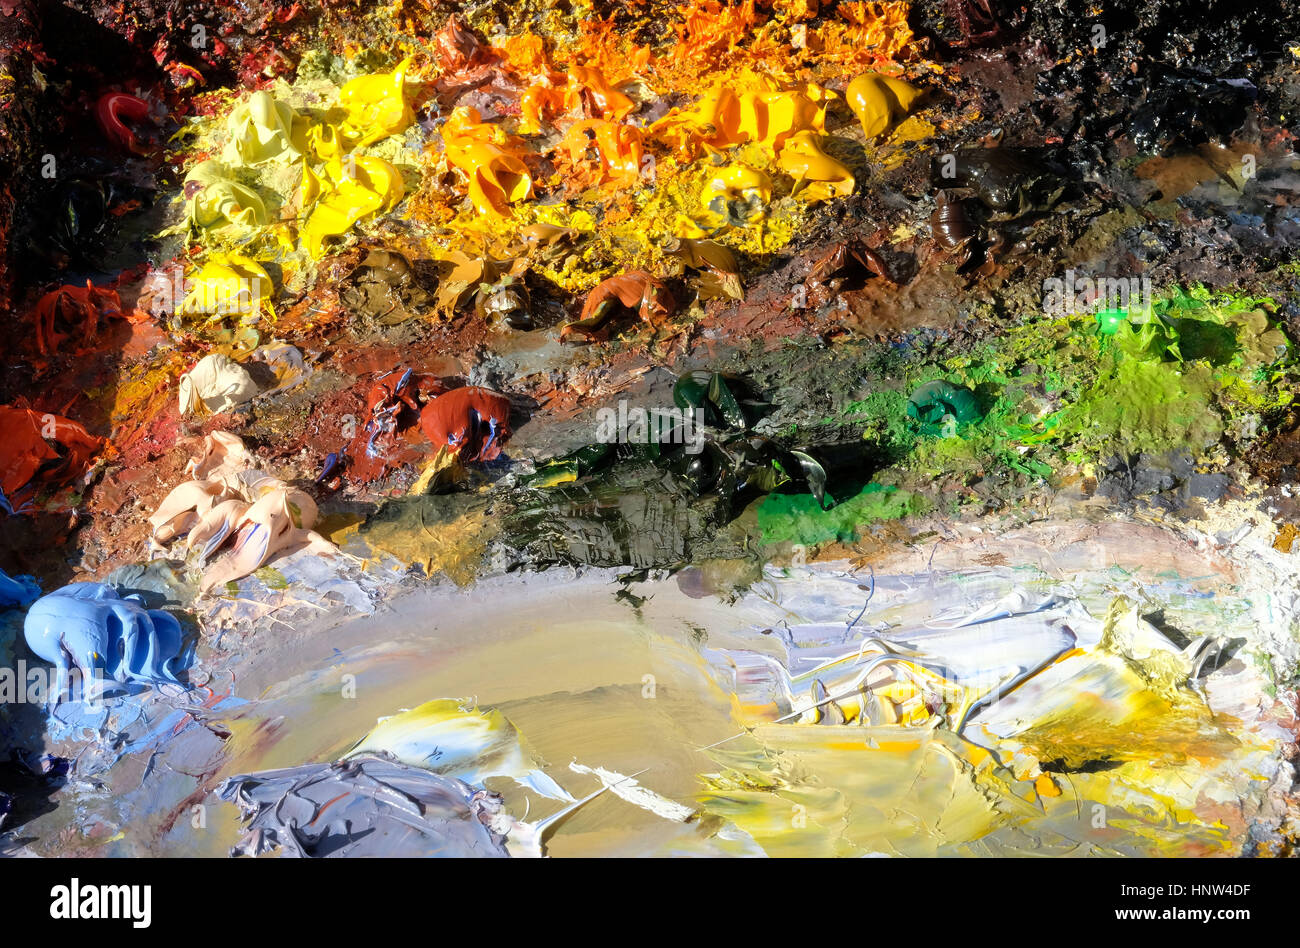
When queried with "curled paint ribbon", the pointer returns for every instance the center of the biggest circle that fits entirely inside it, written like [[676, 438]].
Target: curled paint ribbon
[[111, 108]]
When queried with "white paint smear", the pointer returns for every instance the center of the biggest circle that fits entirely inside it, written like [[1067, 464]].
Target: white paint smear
[[628, 789]]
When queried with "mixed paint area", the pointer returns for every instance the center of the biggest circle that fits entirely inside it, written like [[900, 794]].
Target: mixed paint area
[[760, 428]]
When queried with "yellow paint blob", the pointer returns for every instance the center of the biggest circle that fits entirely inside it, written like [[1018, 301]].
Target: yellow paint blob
[[737, 194], [228, 284], [376, 106], [325, 141], [763, 113], [879, 101], [905, 94], [770, 118], [343, 194], [817, 176], [1046, 786], [261, 129], [217, 200]]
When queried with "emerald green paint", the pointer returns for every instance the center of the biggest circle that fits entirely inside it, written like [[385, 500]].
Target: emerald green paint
[[1109, 320], [936, 400], [1049, 397], [799, 518], [1182, 374]]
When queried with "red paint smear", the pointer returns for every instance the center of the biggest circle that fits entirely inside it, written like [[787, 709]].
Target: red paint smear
[[449, 420]]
